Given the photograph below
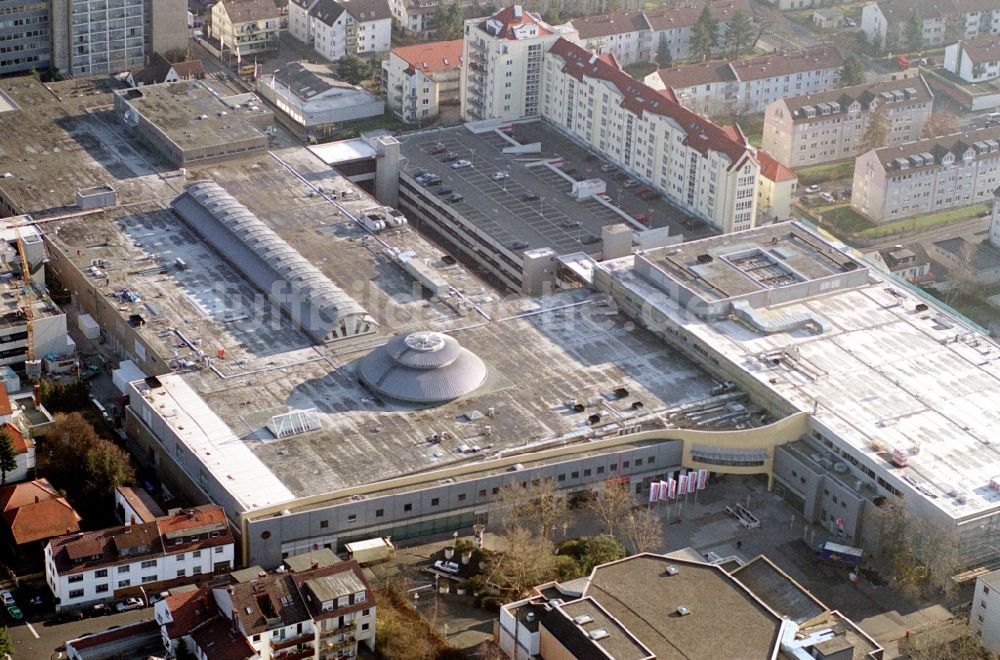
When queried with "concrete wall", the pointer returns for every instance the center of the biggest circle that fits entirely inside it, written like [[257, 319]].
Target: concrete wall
[[422, 504], [168, 23]]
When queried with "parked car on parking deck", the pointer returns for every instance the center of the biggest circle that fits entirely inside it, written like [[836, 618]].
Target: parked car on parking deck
[[459, 164], [128, 605]]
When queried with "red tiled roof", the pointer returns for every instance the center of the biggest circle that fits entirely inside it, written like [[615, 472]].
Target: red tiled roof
[[193, 518], [513, 17], [18, 495], [687, 15], [189, 610], [432, 56], [783, 64], [702, 134], [773, 170], [219, 641], [5, 407], [189, 69], [42, 520], [602, 26], [17, 438]]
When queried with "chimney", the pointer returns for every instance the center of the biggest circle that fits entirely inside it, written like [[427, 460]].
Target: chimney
[[37, 500], [236, 627]]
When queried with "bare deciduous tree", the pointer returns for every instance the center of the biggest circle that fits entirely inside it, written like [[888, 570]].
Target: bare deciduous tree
[[611, 504], [642, 530]]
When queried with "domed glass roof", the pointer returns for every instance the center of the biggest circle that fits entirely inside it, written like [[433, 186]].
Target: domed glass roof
[[422, 367]]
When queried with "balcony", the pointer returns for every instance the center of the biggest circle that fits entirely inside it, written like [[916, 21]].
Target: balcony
[[278, 644], [296, 655], [336, 631]]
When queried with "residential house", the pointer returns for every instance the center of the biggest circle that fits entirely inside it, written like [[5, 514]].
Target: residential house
[[747, 86], [776, 188], [830, 126], [664, 606], [160, 70], [944, 21], [15, 423], [35, 512], [183, 547], [417, 80], [355, 27], [315, 99], [927, 176], [319, 613], [976, 60], [828, 18], [246, 27], [502, 74], [418, 16], [904, 262], [134, 506], [705, 169]]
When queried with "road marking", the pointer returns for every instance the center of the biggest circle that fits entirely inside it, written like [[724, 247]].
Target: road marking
[[32, 629]]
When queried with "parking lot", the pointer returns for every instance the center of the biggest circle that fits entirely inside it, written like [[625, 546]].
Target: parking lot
[[526, 207]]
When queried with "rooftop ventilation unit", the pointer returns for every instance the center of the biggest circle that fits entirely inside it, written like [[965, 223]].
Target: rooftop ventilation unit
[[683, 610], [672, 570], [704, 258], [599, 633], [583, 619]]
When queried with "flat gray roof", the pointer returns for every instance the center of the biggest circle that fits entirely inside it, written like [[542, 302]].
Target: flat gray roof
[[581, 351], [555, 220]]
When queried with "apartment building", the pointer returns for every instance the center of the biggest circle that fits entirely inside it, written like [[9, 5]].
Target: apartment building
[[776, 188], [829, 126], [634, 36], [944, 21], [502, 77], [318, 613], [626, 35], [112, 563], [747, 86], [24, 36], [336, 29], [976, 60], [700, 166], [417, 16], [984, 617], [927, 176], [247, 26], [418, 79]]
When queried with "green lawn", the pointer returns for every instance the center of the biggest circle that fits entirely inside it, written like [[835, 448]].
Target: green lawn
[[824, 173], [751, 125], [924, 221], [640, 70], [842, 220]]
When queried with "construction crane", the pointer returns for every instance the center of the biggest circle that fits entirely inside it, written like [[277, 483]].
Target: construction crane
[[32, 366]]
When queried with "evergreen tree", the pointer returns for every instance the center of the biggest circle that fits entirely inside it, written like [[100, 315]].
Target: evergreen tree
[[914, 34], [353, 69], [705, 34], [853, 72], [740, 34], [448, 19], [663, 57], [6, 645], [8, 456]]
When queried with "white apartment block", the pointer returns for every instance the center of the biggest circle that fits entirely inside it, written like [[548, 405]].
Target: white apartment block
[[944, 21], [339, 28], [634, 36], [502, 75], [976, 60], [984, 617], [927, 176], [776, 188], [995, 219], [830, 126], [748, 86], [701, 167], [418, 79], [113, 563], [323, 613]]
